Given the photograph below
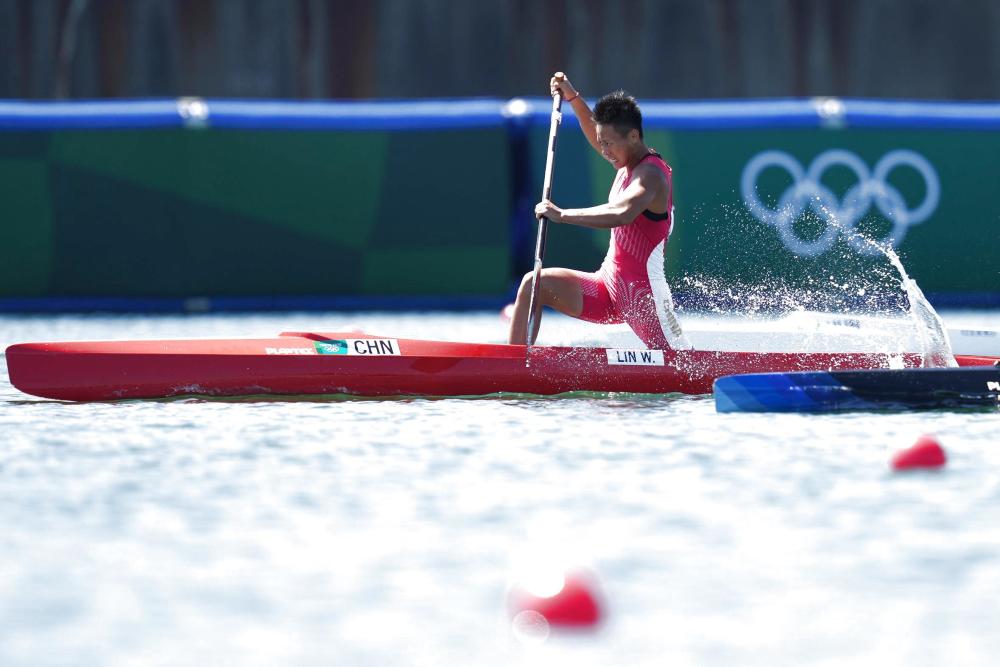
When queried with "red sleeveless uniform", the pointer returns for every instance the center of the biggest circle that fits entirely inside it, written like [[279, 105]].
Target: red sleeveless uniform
[[630, 286]]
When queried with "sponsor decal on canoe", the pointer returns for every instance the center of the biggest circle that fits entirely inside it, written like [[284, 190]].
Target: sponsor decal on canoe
[[974, 333], [365, 347], [635, 357], [289, 350], [845, 322]]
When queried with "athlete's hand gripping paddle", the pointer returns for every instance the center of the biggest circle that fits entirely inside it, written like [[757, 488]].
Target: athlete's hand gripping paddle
[[535, 304]]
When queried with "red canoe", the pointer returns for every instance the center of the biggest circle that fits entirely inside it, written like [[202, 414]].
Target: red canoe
[[363, 365]]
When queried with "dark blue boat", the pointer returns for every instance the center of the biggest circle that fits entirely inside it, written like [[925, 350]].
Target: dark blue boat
[[885, 389]]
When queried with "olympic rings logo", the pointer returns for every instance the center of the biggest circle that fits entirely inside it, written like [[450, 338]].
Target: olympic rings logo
[[840, 215]]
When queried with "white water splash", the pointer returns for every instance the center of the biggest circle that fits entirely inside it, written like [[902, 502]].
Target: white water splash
[[936, 346], [934, 342]]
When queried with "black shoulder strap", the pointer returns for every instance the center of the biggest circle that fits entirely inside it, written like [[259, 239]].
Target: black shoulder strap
[[649, 214]]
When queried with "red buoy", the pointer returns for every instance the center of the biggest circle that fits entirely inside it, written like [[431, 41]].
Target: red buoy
[[576, 604], [926, 452]]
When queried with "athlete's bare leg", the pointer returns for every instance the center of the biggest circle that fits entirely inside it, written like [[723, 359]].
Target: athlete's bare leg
[[558, 288]]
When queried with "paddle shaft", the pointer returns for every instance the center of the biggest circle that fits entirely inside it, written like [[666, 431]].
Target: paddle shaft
[[535, 304]]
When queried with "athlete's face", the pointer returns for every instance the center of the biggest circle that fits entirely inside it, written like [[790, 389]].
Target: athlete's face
[[615, 147]]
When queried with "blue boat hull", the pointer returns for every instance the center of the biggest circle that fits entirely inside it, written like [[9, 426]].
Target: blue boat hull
[[885, 389]]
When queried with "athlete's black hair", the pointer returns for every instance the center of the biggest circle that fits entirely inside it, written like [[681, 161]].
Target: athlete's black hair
[[620, 110]]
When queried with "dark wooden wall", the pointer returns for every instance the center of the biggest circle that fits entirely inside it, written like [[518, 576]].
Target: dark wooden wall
[[938, 49]]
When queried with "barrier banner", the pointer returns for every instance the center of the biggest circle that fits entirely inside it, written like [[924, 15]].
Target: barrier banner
[[789, 203], [256, 200]]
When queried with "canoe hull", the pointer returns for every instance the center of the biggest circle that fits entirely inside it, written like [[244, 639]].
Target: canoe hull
[[356, 364]]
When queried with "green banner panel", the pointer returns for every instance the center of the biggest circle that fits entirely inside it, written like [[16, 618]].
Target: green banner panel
[[175, 212]]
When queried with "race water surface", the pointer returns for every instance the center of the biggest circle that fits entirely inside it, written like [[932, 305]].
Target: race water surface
[[384, 532]]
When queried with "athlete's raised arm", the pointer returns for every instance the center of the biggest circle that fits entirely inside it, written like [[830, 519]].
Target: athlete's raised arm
[[560, 82], [647, 183]]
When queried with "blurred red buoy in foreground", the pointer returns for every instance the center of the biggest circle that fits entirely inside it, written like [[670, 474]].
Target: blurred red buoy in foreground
[[925, 453], [575, 604]]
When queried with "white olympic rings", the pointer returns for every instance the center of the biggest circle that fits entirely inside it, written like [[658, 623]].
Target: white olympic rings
[[840, 215]]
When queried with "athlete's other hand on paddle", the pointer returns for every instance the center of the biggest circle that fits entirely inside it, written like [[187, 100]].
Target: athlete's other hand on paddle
[[560, 84], [548, 210]]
